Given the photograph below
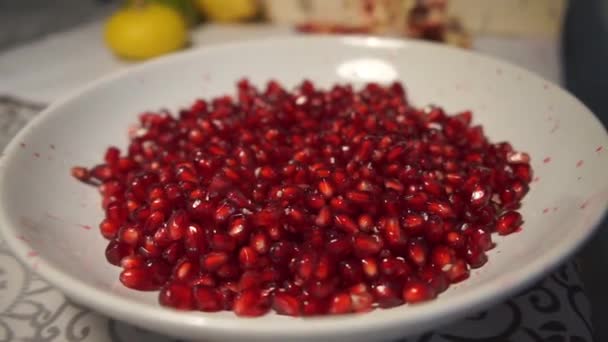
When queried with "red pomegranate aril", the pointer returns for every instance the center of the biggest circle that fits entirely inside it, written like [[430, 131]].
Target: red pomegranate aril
[[177, 295], [455, 240], [177, 224], [324, 218], [116, 212], [172, 253], [518, 158], [443, 210], [214, 260], [442, 256], [395, 267], [116, 251], [370, 267], [207, 299], [222, 242], [138, 279], [321, 288], [481, 239], [458, 271], [434, 229], [386, 294], [251, 303], [314, 306], [417, 291], [434, 277], [413, 224], [108, 229], [475, 257], [260, 243], [132, 261], [523, 172], [361, 299], [185, 270], [248, 257], [130, 235], [308, 202], [285, 304], [367, 245], [250, 279], [340, 303], [508, 222], [149, 248], [346, 224], [81, 173], [417, 251]]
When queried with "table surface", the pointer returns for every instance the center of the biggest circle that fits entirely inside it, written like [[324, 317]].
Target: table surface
[[555, 309]]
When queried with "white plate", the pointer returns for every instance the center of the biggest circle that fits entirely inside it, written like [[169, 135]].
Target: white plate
[[45, 215]]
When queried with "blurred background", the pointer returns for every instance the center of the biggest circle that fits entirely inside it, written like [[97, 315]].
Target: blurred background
[[48, 48]]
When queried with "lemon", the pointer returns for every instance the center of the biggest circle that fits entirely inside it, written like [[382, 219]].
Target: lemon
[[145, 31], [228, 10]]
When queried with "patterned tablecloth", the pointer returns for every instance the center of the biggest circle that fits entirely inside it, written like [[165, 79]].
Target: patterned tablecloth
[[554, 310]]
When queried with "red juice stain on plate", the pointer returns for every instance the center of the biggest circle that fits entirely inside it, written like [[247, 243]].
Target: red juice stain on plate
[[36, 155], [85, 226], [546, 210], [32, 254], [584, 204], [547, 160], [536, 179], [579, 163], [52, 147], [22, 145], [599, 149]]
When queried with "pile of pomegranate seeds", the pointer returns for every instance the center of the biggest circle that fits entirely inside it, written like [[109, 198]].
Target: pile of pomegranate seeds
[[308, 202]]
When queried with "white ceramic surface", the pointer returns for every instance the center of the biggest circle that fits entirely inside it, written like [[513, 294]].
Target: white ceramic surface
[[50, 220]]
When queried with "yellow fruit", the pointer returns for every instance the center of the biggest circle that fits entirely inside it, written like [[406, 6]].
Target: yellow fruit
[[145, 31], [228, 10]]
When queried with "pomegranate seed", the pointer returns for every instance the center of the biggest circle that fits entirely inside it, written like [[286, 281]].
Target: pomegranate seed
[[324, 217], [81, 173], [475, 257], [214, 260], [458, 271], [251, 303], [248, 257], [442, 256], [417, 252], [340, 303], [386, 294], [443, 210], [413, 224], [508, 222], [207, 299], [308, 202], [177, 225], [285, 304], [185, 270], [132, 261], [417, 291], [326, 188], [346, 224], [314, 306], [177, 295], [361, 299], [367, 245], [116, 251], [138, 279], [435, 278], [370, 267], [108, 229]]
